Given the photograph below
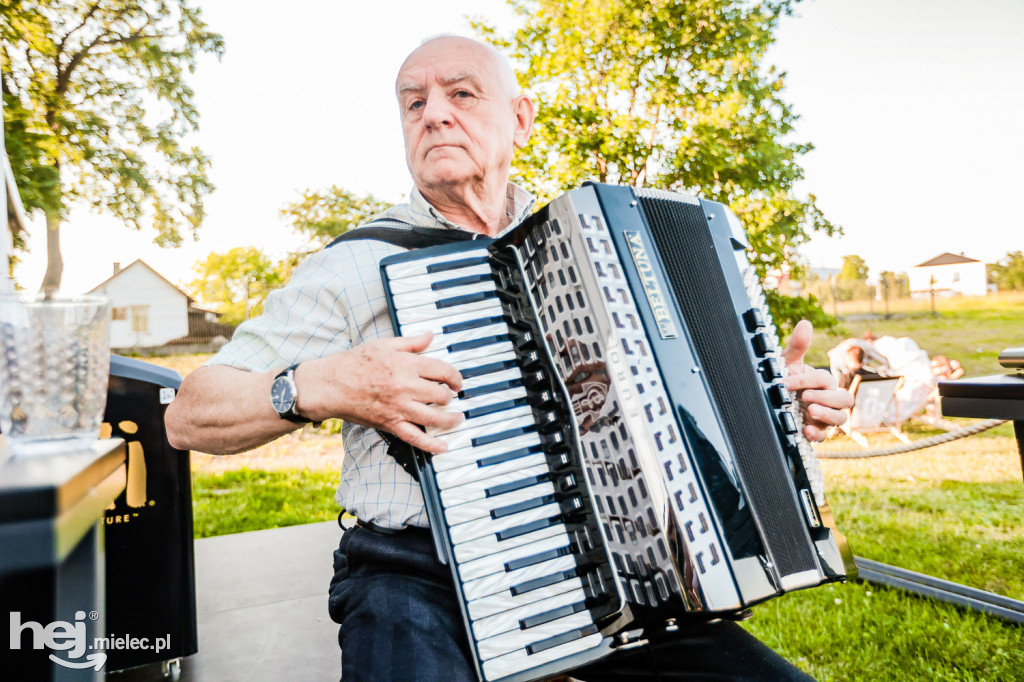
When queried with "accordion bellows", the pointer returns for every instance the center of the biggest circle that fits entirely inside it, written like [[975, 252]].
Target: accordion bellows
[[630, 456]]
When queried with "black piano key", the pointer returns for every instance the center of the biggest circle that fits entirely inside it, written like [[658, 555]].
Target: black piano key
[[489, 388], [465, 299], [471, 324], [516, 485], [563, 638], [544, 581], [496, 407], [510, 509], [503, 435], [508, 456], [539, 558], [523, 529], [456, 264], [552, 440], [489, 368], [548, 616], [477, 343], [460, 281]]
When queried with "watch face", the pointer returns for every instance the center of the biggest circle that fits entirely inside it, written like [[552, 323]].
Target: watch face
[[282, 394]]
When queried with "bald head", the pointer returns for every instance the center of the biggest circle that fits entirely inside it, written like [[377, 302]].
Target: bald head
[[490, 61]]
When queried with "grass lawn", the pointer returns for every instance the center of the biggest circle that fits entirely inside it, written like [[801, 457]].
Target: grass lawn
[[247, 499]]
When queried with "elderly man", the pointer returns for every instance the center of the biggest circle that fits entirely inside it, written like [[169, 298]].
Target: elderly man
[[325, 345]]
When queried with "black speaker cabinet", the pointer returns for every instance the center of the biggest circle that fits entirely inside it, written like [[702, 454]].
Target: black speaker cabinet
[[150, 585]]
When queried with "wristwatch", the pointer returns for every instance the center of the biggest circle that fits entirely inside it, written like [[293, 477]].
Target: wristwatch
[[284, 395]]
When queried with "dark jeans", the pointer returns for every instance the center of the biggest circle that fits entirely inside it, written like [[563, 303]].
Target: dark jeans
[[400, 621]]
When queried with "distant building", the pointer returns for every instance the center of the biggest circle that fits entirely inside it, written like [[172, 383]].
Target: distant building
[[148, 311], [949, 274]]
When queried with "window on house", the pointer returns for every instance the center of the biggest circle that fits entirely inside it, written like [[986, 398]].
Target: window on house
[[119, 313], [140, 318], [956, 276]]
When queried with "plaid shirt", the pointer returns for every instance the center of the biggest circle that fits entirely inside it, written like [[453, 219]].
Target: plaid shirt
[[335, 300]]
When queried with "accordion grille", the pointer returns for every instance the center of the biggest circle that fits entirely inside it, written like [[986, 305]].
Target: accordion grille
[[686, 246]]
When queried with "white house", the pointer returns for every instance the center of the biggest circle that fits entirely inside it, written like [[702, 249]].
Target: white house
[[949, 274], [146, 309]]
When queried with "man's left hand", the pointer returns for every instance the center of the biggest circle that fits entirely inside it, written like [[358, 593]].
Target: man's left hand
[[821, 403]]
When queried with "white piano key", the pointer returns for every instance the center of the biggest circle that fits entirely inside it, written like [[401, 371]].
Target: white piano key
[[471, 530], [509, 620], [473, 363], [479, 355], [425, 281], [470, 456], [514, 374], [484, 400], [430, 312], [489, 544], [505, 600], [484, 420], [415, 299], [458, 440], [438, 324], [477, 490], [419, 266], [495, 563], [481, 508], [443, 341], [469, 473], [499, 580], [520, 639], [506, 665]]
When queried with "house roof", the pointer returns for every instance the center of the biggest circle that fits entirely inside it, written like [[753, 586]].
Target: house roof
[[141, 263], [946, 259]]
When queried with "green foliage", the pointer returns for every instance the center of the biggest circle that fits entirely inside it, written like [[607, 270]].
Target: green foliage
[[323, 215], [665, 94], [235, 282], [97, 108], [1008, 273], [894, 285], [854, 269], [788, 310]]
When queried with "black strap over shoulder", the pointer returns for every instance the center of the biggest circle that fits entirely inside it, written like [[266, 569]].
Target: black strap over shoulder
[[408, 237]]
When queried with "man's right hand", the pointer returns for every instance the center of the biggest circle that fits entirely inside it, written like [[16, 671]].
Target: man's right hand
[[383, 384]]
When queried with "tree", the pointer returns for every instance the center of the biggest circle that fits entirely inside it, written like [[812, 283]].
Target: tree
[[854, 269], [235, 282], [1008, 273], [670, 95], [323, 215], [98, 109]]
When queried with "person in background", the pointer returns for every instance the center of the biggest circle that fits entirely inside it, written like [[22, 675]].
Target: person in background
[[854, 368], [946, 369]]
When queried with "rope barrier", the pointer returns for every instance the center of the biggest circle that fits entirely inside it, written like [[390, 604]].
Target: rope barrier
[[917, 445]]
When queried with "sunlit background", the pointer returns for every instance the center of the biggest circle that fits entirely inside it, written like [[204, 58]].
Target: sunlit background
[[914, 108]]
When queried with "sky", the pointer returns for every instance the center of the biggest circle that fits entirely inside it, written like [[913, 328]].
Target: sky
[[914, 108]]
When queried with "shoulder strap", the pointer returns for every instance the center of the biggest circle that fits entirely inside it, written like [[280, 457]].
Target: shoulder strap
[[410, 237]]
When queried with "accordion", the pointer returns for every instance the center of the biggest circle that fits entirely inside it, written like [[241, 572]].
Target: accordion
[[630, 456]]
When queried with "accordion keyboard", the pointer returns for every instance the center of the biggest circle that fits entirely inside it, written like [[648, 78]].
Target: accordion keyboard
[[512, 518]]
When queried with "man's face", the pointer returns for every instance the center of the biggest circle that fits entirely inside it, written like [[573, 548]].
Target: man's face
[[459, 117]]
